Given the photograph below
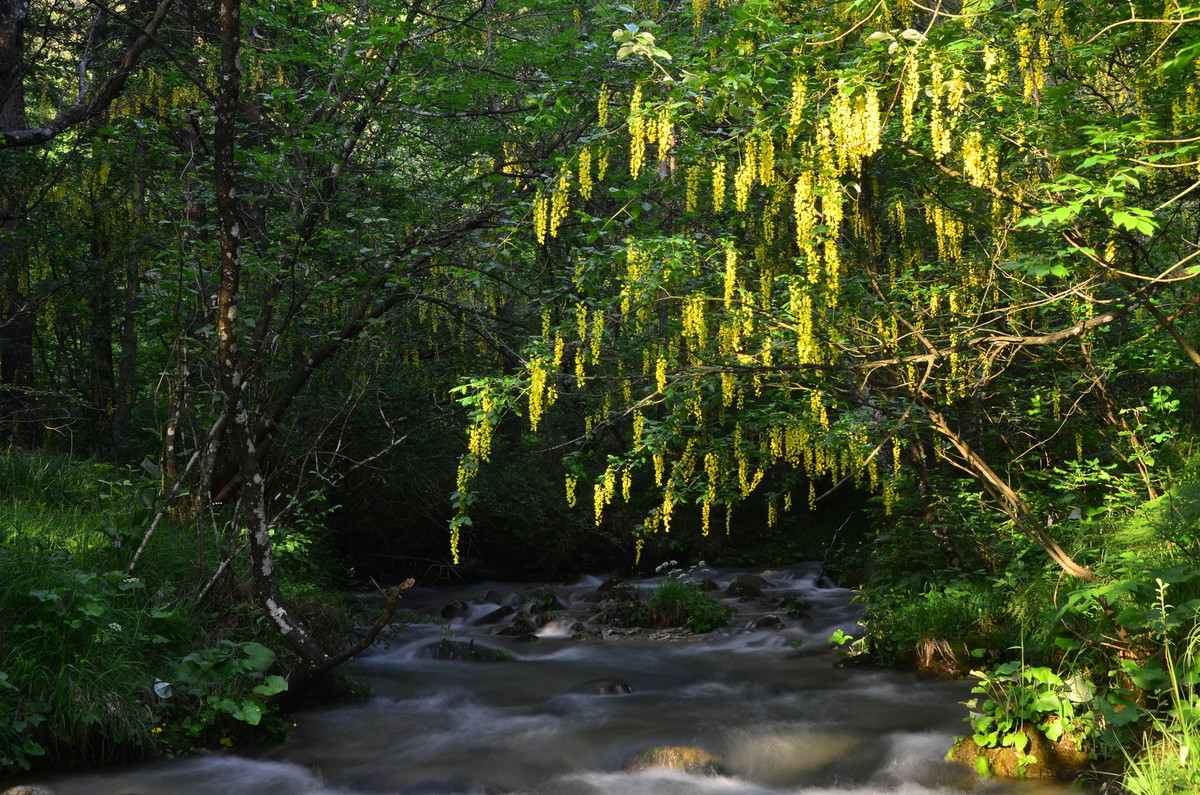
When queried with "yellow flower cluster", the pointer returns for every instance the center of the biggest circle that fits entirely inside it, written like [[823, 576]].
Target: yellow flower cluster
[[731, 280], [766, 158], [559, 201], [602, 102], [1032, 60], [744, 177], [695, 326], [995, 74], [854, 126], [665, 138], [585, 173], [510, 166], [542, 393], [603, 491], [796, 107], [804, 210], [718, 186], [981, 163], [948, 230], [908, 96], [639, 134], [541, 217]]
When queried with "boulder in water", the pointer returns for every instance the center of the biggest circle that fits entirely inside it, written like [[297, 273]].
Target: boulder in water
[[1060, 759], [678, 757], [795, 606], [522, 628], [496, 616], [454, 609], [464, 651], [544, 599], [610, 585], [606, 686], [744, 590]]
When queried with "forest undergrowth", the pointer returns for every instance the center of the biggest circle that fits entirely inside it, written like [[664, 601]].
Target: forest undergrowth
[[102, 665], [1110, 666]]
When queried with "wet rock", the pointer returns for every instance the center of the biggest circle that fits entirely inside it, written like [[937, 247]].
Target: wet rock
[[769, 622], [439, 787], [464, 651], [522, 628], [743, 590], [795, 606], [498, 597], [28, 789], [454, 609], [675, 757], [607, 686], [584, 633], [1060, 759], [611, 587], [496, 616], [708, 585], [825, 582], [545, 599], [585, 597], [753, 579], [542, 619]]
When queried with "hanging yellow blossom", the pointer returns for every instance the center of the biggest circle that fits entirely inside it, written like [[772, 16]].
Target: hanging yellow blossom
[[602, 102], [718, 186], [585, 173], [638, 134], [558, 203]]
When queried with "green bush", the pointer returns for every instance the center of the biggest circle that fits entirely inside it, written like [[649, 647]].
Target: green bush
[[99, 667], [678, 601]]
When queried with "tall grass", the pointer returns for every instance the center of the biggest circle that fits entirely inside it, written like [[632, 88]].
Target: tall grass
[[83, 645], [1170, 760]]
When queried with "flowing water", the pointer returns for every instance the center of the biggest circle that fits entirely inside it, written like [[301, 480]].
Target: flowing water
[[567, 716]]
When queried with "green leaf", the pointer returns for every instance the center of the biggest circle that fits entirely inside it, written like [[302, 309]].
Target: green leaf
[[258, 656], [1135, 220], [250, 712], [273, 685]]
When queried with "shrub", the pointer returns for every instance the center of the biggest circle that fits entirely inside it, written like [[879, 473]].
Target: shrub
[[678, 601]]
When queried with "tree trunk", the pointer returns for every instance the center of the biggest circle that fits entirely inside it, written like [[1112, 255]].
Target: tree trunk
[[1007, 499], [17, 416], [253, 502]]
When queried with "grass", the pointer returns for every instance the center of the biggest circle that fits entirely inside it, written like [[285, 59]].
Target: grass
[[1126, 646], [679, 602], [1170, 760], [84, 644]]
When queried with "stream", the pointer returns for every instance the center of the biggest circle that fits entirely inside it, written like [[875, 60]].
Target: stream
[[762, 703]]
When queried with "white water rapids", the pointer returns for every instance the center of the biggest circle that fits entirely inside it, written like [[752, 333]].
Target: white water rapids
[[778, 719]]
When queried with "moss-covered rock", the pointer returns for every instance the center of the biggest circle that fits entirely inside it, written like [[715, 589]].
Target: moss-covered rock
[[677, 757], [1061, 759], [465, 651]]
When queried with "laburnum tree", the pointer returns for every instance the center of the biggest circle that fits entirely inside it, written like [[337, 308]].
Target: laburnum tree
[[809, 243]]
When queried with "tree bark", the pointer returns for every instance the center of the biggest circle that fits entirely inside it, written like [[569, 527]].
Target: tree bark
[[1009, 501], [229, 360], [17, 414]]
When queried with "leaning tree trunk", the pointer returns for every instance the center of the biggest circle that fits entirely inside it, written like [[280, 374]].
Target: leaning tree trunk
[[253, 497], [229, 360], [1007, 498]]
